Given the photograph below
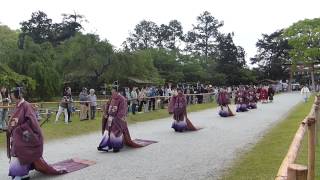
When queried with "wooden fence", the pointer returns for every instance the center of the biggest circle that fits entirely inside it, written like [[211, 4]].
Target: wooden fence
[[288, 169], [46, 111]]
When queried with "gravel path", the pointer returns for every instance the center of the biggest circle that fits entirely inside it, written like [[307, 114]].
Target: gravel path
[[192, 155]]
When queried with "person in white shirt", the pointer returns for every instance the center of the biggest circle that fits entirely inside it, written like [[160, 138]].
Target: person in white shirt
[[305, 93]]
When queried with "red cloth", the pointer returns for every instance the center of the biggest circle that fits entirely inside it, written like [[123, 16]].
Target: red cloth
[[62, 167]]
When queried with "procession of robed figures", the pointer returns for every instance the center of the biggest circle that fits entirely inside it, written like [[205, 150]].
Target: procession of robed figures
[[25, 139], [245, 98]]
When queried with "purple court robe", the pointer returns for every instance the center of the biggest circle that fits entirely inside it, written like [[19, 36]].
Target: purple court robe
[[223, 101], [117, 108], [25, 143], [26, 137], [178, 107], [241, 100], [118, 132], [114, 124], [223, 98]]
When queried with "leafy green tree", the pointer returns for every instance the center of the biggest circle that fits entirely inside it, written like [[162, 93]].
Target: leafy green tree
[[230, 59], [202, 40], [38, 28], [137, 64], [38, 62], [193, 70], [8, 43], [143, 37], [304, 37], [167, 64], [170, 36], [85, 58], [41, 28], [10, 78], [71, 24], [272, 55]]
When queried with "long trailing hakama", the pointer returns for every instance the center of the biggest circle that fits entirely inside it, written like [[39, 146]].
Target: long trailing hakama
[[178, 107], [252, 99], [241, 101], [115, 129], [24, 140], [223, 100], [25, 146]]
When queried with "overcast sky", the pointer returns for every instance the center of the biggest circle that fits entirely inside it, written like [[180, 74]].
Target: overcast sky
[[114, 19]]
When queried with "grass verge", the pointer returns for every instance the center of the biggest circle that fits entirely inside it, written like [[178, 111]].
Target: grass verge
[[77, 127], [263, 160]]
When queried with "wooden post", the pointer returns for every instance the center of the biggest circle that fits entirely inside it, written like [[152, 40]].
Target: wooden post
[[311, 147], [89, 110], [297, 172], [290, 79], [47, 112], [292, 152], [317, 102], [316, 115]]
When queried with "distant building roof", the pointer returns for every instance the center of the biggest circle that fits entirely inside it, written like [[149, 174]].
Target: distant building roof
[[139, 81], [268, 81]]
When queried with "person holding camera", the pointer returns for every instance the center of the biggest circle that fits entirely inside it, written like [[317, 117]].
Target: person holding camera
[[63, 107], [84, 104]]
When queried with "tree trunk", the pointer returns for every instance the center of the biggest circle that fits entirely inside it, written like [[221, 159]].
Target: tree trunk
[[290, 79], [312, 77]]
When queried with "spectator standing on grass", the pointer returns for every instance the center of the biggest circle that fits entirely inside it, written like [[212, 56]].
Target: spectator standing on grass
[[187, 93], [152, 99], [93, 103], [200, 96], [83, 97], [134, 99], [127, 95], [63, 107], [191, 96], [146, 106], [138, 90], [142, 99], [161, 93], [68, 94]]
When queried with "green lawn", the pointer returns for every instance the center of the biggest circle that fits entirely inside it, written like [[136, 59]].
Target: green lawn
[[263, 160], [77, 127]]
